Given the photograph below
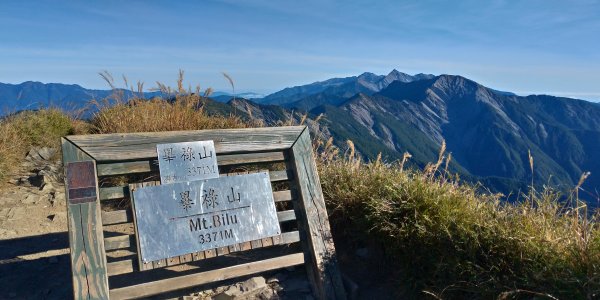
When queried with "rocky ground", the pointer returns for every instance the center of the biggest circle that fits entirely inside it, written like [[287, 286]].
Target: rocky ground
[[34, 262], [34, 254]]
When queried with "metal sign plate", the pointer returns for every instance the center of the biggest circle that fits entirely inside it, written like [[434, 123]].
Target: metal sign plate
[[81, 182], [186, 217], [187, 161]]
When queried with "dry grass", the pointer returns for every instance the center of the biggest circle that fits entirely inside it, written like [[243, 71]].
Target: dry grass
[[159, 115], [182, 110], [451, 242], [22, 131], [448, 240]]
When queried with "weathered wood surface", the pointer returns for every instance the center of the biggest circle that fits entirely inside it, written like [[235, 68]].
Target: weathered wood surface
[[143, 166], [176, 283], [88, 260], [129, 265], [117, 154], [116, 192], [322, 265], [136, 146], [119, 242]]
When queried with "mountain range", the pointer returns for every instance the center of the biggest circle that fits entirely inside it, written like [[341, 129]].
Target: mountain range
[[33, 95], [488, 132]]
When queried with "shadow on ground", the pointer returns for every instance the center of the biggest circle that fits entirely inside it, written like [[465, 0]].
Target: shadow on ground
[[35, 267]]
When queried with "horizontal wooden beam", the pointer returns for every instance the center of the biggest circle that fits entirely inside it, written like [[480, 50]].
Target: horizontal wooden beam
[[127, 265], [116, 192], [126, 241], [117, 217], [135, 146], [286, 215], [182, 282], [144, 166], [119, 242]]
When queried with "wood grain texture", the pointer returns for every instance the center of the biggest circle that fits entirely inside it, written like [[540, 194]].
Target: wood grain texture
[[137, 146], [117, 192], [128, 265], [176, 283], [88, 260], [144, 166], [117, 217], [119, 242], [322, 265]]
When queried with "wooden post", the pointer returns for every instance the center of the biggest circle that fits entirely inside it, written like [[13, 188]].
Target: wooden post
[[88, 259], [321, 262]]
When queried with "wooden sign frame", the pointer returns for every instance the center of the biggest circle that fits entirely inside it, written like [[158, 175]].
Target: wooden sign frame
[[110, 155]]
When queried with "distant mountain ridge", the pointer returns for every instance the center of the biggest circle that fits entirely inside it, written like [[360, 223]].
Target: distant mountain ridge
[[488, 132], [338, 88], [33, 95]]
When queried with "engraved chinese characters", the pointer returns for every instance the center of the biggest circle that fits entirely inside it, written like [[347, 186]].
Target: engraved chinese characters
[[185, 217], [180, 162]]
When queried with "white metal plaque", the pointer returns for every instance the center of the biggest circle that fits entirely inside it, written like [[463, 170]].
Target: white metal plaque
[[186, 217], [187, 161]]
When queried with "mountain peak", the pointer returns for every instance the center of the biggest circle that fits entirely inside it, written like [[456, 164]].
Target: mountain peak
[[395, 72], [368, 76]]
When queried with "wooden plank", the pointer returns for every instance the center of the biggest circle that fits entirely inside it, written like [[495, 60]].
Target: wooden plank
[[119, 242], [117, 217], [156, 264], [322, 265], [290, 237], [88, 259], [282, 175], [281, 196], [250, 158], [137, 146], [266, 242], [198, 256], [286, 215], [185, 258], [210, 253], [181, 282], [120, 267], [127, 265], [245, 246], [117, 192], [144, 166], [173, 261], [222, 251], [131, 167], [256, 244]]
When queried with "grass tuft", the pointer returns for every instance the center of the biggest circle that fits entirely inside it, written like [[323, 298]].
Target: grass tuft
[[450, 241], [24, 130]]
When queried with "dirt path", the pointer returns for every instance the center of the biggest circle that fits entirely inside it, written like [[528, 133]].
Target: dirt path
[[34, 261]]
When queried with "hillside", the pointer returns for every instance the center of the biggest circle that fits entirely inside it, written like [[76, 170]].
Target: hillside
[[488, 134], [336, 88], [31, 95], [413, 232]]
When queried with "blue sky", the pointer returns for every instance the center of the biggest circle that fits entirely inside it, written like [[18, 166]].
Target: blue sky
[[526, 47]]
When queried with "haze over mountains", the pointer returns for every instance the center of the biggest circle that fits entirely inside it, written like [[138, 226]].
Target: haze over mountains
[[488, 132], [32, 95]]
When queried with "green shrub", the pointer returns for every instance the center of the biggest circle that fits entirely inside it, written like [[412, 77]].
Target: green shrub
[[21, 131], [450, 241]]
